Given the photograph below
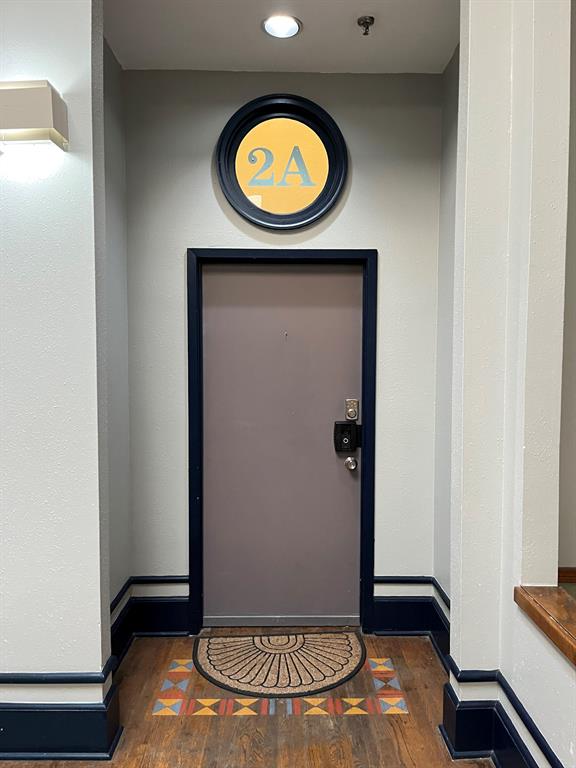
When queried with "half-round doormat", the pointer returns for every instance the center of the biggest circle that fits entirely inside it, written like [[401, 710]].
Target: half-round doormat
[[280, 665]]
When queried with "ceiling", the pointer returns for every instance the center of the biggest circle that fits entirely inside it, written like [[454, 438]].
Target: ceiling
[[408, 36]]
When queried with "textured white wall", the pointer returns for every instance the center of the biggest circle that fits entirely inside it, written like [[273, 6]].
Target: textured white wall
[[442, 461], [50, 569], [116, 327], [510, 245], [567, 553], [392, 126], [479, 340]]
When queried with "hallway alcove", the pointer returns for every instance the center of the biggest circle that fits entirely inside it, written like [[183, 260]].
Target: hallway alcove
[[442, 259], [400, 127]]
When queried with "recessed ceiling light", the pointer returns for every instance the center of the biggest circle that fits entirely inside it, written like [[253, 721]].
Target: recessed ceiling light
[[282, 26]]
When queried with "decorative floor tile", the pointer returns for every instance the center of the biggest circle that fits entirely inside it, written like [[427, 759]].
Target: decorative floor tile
[[380, 665], [167, 707], [358, 706], [393, 706], [182, 665], [203, 707], [316, 706], [176, 688]]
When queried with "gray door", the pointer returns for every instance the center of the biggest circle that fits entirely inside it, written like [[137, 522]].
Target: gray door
[[282, 351]]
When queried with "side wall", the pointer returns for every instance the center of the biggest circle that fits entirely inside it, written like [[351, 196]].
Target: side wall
[[567, 552], [509, 287], [50, 563], [444, 331], [116, 327], [392, 125]]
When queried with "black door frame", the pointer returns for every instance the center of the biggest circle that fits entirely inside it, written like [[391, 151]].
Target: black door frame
[[197, 257]]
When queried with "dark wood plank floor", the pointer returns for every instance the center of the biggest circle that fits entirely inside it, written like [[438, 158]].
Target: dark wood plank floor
[[377, 741]]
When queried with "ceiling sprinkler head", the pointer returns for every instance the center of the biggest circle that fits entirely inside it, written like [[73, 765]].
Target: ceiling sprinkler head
[[366, 22]]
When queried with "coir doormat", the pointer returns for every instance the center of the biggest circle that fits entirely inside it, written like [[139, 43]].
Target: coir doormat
[[279, 665]]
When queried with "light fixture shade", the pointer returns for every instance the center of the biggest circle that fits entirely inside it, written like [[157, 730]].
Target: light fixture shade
[[32, 111], [282, 26]]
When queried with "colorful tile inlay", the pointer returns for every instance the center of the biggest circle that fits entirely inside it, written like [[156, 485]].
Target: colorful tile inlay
[[167, 707], [385, 699]]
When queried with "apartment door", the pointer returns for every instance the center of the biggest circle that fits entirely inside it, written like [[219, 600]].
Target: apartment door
[[282, 351]]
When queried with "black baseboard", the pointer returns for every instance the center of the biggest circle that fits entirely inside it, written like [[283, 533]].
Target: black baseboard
[[415, 581], [408, 613], [496, 676], [160, 616], [155, 616], [413, 616], [60, 678], [467, 725], [145, 580], [60, 731], [473, 729]]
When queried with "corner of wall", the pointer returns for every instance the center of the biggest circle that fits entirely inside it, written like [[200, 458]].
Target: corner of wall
[[567, 533], [445, 312], [113, 322]]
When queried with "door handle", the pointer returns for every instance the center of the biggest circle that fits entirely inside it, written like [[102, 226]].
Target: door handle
[[351, 463]]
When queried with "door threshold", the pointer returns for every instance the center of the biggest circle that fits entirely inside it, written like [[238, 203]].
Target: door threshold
[[281, 621]]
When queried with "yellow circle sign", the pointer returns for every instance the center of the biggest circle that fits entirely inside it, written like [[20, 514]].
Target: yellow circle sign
[[281, 165]]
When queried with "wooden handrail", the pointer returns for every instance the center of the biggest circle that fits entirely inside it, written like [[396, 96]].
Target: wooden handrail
[[553, 610]]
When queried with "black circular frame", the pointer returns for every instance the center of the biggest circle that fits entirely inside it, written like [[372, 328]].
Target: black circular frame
[[297, 108]]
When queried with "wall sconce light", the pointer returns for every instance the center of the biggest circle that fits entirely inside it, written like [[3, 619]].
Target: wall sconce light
[[32, 111]]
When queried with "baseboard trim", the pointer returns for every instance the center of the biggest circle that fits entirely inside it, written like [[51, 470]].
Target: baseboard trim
[[159, 616], [60, 678], [413, 616], [123, 590], [409, 613], [472, 675], [145, 580], [159, 579], [475, 729], [416, 580], [60, 731], [459, 755], [567, 575], [504, 723], [281, 621], [149, 617]]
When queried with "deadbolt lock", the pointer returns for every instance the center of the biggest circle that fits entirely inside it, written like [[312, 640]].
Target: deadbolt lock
[[348, 434]]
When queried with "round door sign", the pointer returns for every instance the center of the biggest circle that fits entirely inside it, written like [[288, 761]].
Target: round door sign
[[282, 162]]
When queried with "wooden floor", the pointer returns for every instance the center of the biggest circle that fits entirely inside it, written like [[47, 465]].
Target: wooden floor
[[376, 741]]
